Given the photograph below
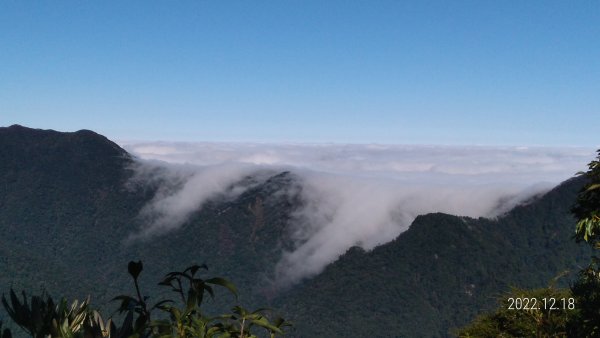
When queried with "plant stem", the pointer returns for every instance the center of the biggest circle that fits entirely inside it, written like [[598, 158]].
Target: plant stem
[[242, 327], [141, 300]]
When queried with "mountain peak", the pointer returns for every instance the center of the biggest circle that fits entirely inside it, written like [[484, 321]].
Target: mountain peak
[[29, 139], [61, 154]]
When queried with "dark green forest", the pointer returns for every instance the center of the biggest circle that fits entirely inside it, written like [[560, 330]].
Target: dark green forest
[[443, 271], [572, 311], [67, 207]]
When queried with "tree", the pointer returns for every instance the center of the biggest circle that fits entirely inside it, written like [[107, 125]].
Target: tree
[[586, 288], [587, 207], [40, 316], [524, 313], [583, 319]]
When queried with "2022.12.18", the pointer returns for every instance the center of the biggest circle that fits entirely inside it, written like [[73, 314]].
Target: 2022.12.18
[[548, 304]]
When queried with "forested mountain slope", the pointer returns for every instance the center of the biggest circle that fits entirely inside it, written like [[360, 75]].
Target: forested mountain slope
[[66, 210], [441, 272]]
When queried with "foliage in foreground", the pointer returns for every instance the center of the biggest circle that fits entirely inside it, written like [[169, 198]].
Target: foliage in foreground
[[587, 208], [40, 316], [586, 289], [583, 320], [548, 317]]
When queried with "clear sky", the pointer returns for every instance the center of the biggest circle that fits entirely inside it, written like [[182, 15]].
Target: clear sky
[[433, 72]]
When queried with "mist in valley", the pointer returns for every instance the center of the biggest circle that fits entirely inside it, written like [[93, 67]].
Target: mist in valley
[[352, 195]]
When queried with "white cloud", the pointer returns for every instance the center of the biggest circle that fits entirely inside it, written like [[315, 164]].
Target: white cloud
[[354, 194]]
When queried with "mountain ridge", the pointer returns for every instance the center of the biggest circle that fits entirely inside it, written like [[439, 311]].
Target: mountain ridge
[[66, 211], [443, 270]]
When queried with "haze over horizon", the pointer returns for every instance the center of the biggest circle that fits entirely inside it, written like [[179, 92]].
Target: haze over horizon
[[413, 72], [346, 95], [352, 195], [270, 138]]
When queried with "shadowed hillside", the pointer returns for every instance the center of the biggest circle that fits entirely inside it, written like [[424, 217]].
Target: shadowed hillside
[[441, 272], [66, 211]]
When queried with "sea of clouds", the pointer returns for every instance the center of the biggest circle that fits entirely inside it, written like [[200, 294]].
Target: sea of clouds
[[362, 195]]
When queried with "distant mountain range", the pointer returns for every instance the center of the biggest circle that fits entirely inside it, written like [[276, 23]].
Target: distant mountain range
[[66, 210]]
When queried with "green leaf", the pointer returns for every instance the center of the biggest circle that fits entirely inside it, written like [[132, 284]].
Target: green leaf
[[127, 303], [224, 283], [593, 187], [263, 322], [194, 268], [161, 304], [191, 300], [209, 290], [280, 322], [260, 310]]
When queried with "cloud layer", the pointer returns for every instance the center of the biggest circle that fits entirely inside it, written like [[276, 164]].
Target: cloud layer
[[353, 194]]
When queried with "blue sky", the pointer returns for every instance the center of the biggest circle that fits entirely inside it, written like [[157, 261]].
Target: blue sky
[[400, 72]]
